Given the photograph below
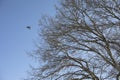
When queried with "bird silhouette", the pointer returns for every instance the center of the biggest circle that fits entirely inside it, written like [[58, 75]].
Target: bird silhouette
[[28, 27]]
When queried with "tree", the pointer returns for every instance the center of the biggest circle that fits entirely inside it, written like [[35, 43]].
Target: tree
[[82, 42]]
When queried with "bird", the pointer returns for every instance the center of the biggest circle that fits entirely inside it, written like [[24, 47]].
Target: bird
[[28, 27]]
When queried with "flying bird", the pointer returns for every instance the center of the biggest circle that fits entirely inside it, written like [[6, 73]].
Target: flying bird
[[28, 27]]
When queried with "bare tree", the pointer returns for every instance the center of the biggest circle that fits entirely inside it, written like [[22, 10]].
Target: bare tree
[[82, 42]]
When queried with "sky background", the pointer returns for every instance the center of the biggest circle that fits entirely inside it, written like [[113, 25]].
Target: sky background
[[15, 38]]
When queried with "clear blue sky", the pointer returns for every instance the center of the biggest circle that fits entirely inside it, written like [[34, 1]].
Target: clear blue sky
[[15, 39]]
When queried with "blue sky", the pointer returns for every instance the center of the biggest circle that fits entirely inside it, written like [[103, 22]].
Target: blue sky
[[15, 39]]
